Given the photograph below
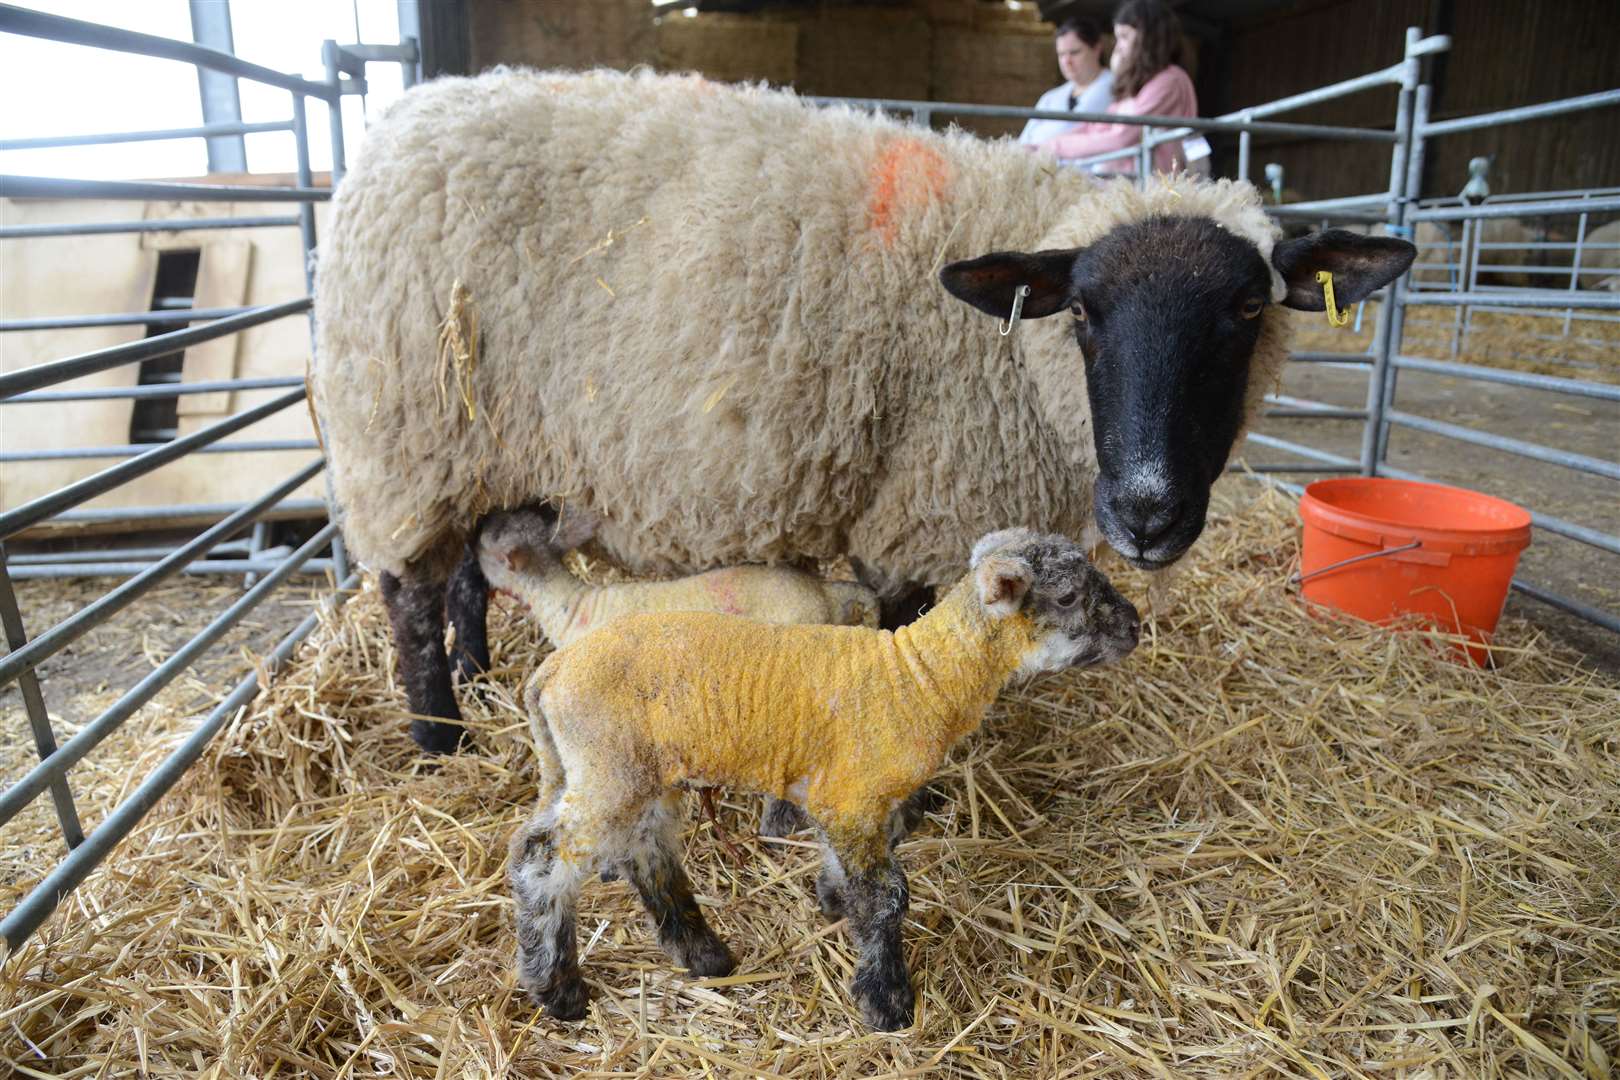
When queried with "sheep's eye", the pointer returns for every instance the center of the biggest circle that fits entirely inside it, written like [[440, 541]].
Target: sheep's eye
[[1067, 599], [1079, 312], [1252, 307]]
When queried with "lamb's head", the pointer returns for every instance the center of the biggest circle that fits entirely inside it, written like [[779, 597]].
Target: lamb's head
[[527, 542], [1166, 313], [1077, 616]]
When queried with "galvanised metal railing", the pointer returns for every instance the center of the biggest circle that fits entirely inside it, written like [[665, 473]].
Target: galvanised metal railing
[[146, 568], [1398, 210]]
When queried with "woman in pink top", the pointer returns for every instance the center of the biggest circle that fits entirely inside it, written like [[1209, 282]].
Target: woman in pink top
[[1147, 82]]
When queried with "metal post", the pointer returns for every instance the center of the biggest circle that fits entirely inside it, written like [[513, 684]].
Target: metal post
[[334, 75], [1245, 139], [1144, 159], [221, 100], [1383, 348], [1397, 291], [1575, 269], [34, 704], [306, 212]]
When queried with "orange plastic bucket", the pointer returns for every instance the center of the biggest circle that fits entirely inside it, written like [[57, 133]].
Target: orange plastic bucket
[[1387, 550]]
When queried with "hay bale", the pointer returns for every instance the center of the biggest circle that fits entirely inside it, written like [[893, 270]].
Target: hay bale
[[1269, 842]]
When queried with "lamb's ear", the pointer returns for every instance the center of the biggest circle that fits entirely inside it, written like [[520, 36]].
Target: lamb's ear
[[993, 541], [988, 282], [1002, 581], [1361, 265], [574, 525]]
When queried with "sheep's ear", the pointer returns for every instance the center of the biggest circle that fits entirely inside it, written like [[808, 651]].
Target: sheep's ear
[[988, 282], [1361, 265], [994, 541], [1002, 583]]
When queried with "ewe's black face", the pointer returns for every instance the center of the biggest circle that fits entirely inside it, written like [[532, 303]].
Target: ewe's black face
[[1166, 315]]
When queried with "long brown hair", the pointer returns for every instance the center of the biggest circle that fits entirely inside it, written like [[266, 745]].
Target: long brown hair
[[1158, 43]]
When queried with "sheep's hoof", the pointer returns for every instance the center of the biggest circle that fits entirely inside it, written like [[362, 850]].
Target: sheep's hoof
[[566, 1000], [888, 1008], [782, 818], [437, 737], [830, 896], [707, 958]]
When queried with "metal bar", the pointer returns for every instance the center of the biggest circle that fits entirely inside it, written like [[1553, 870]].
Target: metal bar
[[1541, 298], [69, 753], [54, 558], [1518, 447], [69, 630], [16, 20], [40, 375], [203, 132], [1175, 123], [127, 318], [1552, 383], [72, 495], [116, 515], [228, 567], [52, 187], [1593, 615], [1247, 466], [1325, 413], [67, 815], [1365, 217], [101, 228], [1308, 452], [1386, 336], [155, 391], [26, 917], [1245, 142], [221, 100], [331, 56], [80, 453], [306, 212], [1323, 93], [1522, 209], [1599, 100], [1306, 357]]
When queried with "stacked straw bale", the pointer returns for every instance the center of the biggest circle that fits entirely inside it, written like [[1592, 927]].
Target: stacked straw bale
[[1268, 844]]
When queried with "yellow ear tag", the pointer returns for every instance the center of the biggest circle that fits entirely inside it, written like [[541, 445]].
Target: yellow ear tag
[[1335, 316]]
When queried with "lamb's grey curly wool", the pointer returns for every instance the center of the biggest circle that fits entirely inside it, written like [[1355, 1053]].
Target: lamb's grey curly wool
[[710, 314]]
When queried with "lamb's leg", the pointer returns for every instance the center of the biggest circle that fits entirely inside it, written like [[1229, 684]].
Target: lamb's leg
[[467, 605], [782, 818], [899, 609], [875, 899], [416, 612], [653, 865], [546, 886]]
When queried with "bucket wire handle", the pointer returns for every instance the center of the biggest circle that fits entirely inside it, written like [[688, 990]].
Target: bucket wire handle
[[1297, 579]]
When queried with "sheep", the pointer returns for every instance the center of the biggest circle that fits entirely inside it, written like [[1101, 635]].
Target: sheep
[[845, 720], [518, 554], [709, 314]]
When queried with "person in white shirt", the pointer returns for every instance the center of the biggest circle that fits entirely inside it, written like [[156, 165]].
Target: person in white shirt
[[1089, 86]]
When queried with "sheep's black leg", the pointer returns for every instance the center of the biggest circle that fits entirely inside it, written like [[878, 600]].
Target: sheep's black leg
[[467, 605], [654, 868], [416, 612], [874, 901], [897, 604], [547, 893]]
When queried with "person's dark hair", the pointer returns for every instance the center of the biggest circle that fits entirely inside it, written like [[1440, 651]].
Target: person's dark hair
[[1158, 43], [1089, 31]]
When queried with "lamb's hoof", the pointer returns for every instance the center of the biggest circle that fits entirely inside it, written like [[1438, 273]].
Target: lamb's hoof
[[782, 818], [566, 1000], [437, 737], [830, 896], [889, 1008], [707, 958]]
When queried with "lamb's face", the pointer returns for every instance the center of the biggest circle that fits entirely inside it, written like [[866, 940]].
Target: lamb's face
[[1077, 616], [513, 544]]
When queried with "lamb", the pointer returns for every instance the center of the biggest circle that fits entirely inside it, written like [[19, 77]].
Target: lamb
[[845, 720], [724, 321], [518, 553]]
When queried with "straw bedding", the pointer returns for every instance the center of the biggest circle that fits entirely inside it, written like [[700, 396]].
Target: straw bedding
[[1268, 844]]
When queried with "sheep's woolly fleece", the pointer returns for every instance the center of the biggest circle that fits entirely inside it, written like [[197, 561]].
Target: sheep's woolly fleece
[[710, 314], [855, 719]]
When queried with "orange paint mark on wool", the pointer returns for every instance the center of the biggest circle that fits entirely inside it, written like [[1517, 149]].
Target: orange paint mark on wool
[[905, 177]]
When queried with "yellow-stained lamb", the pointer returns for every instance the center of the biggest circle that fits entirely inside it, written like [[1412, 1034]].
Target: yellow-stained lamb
[[847, 721]]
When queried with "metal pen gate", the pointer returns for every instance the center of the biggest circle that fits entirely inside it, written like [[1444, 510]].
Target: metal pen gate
[[1396, 208], [345, 69]]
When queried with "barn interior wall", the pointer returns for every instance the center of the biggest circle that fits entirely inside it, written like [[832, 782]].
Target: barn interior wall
[[1504, 53]]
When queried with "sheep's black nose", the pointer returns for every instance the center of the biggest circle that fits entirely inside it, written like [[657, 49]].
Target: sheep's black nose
[[1148, 520]]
